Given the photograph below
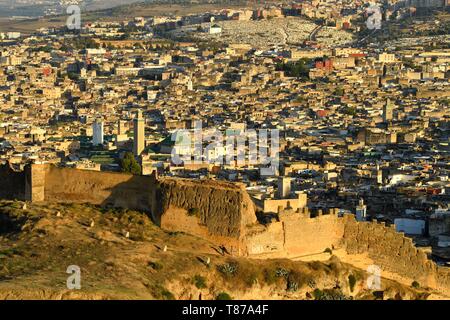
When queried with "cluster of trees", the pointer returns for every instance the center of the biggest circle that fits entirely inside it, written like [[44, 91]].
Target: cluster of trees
[[46, 48], [129, 164], [298, 69], [211, 45]]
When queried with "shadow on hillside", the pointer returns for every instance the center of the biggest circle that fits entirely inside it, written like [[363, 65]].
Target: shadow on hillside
[[10, 223], [12, 184], [138, 193]]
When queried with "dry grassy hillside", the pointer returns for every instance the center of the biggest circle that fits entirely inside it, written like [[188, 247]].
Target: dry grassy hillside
[[121, 255]]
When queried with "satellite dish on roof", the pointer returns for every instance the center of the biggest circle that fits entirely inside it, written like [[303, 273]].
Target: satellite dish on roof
[[211, 19]]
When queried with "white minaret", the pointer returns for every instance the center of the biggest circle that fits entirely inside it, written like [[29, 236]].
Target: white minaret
[[97, 128]]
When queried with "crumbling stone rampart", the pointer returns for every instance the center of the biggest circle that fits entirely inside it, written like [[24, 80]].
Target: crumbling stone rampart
[[393, 252], [225, 209], [224, 213], [298, 234], [219, 211]]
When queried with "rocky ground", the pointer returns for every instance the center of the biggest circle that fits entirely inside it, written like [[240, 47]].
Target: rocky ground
[[123, 255]]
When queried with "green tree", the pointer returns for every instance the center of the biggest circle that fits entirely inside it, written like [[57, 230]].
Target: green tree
[[223, 296], [129, 164], [298, 69], [199, 281]]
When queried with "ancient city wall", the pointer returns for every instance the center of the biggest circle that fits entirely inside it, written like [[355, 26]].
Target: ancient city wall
[[297, 234], [224, 213], [308, 236], [220, 209], [266, 241], [275, 205], [443, 279], [393, 252], [100, 188]]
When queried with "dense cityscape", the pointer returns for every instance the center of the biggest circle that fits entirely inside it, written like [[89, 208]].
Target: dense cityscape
[[356, 116]]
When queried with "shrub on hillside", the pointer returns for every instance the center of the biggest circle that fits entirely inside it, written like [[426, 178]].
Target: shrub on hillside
[[228, 269], [199, 281], [161, 293], [269, 276], [155, 265], [223, 296]]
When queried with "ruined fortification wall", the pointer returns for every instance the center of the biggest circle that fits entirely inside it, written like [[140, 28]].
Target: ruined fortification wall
[[393, 252], [274, 205], [100, 188], [219, 208], [224, 213], [266, 241], [222, 210], [443, 279], [307, 236], [297, 234], [12, 183]]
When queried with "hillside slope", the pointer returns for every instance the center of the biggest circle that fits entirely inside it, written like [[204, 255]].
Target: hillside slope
[[123, 255]]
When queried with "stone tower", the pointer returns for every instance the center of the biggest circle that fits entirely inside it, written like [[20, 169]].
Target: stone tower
[[139, 134]]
